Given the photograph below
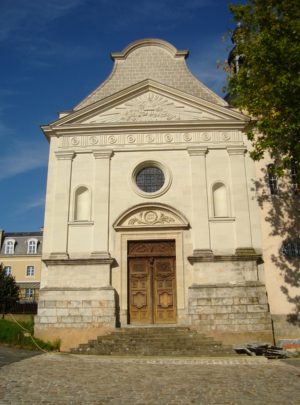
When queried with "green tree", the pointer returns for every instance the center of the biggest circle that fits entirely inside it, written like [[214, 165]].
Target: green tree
[[264, 76], [8, 286]]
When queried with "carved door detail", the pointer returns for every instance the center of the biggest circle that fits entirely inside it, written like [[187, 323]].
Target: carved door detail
[[152, 282]]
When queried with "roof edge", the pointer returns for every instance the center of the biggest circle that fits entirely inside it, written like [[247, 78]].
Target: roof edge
[[149, 42]]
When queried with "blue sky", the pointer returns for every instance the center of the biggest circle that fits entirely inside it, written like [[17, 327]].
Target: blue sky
[[55, 52]]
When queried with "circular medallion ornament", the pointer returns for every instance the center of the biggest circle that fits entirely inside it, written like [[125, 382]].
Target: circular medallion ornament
[[226, 136], [93, 140], [169, 138], [187, 137], [112, 139], [149, 138], [150, 217], [206, 136], [75, 140], [131, 139]]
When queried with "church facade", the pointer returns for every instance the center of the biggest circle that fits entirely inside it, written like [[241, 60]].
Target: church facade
[[151, 213]]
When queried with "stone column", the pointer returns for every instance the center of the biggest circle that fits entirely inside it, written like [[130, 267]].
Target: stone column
[[61, 205], [240, 200], [101, 204], [200, 224]]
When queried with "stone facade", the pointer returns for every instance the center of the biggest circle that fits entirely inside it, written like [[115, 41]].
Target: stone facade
[[151, 113]]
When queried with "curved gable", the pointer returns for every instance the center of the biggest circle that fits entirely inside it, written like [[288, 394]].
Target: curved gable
[[151, 59]]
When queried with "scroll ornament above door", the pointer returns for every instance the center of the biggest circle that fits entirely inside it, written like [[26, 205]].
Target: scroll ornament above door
[[151, 216]]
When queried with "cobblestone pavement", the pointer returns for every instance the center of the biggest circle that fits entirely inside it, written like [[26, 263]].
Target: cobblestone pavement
[[10, 354], [74, 379]]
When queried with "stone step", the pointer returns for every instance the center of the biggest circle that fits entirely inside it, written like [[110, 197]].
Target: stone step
[[154, 341]]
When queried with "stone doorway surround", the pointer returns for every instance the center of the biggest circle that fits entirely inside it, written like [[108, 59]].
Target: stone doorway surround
[[132, 226]]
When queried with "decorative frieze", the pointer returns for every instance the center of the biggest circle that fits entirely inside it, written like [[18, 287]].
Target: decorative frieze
[[211, 137]]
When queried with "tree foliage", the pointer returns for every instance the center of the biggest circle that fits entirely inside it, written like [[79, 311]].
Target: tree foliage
[[8, 286], [266, 81]]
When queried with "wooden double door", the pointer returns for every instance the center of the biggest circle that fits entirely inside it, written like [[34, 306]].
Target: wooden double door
[[152, 282]]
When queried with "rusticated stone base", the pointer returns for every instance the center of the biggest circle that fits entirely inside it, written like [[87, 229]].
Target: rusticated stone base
[[75, 315], [234, 313]]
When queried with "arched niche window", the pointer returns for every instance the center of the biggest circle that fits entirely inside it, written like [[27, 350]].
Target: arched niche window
[[9, 247], [220, 204], [82, 204]]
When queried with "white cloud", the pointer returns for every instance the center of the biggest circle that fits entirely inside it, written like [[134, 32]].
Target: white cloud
[[23, 157], [35, 202]]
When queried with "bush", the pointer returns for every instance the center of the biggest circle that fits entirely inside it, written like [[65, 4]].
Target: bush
[[13, 334]]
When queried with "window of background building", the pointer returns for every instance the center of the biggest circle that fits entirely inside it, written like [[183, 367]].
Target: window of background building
[[9, 247], [30, 271], [28, 292], [291, 249], [32, 246], [272, 179], [7, 270], [295, 179]]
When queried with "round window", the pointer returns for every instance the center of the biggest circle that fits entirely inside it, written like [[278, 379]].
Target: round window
[[150, 179]]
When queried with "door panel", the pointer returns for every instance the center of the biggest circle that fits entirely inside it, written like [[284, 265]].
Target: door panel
[[164, 290], [140, 291], [152, 282]]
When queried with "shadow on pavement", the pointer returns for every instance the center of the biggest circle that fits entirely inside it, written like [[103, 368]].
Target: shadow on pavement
[[10, 355]]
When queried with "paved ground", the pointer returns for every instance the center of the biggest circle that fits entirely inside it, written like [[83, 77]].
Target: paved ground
[[11, 355], [74, 379]]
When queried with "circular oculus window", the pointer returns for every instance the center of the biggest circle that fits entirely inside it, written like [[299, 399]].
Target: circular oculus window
[[151, 179]]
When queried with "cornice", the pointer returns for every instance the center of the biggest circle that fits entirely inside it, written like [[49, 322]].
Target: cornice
[[64, 155], [236, 150], [197, 151], [103, 154], [181, 126], [224, 258]]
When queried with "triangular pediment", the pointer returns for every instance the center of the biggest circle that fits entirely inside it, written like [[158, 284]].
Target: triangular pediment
[[151, 107], [146, 103]]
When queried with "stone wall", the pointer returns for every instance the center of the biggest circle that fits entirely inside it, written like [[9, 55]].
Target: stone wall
[[239, 311], [75, 315]]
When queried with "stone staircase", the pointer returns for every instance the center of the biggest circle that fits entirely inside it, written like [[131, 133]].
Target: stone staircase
[[154, 341]]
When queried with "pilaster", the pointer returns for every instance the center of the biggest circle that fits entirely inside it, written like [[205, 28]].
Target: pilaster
[[101, 204], [61, 204], [200, 226], [240, 200]]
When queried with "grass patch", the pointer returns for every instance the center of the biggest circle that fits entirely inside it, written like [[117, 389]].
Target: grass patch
[[13, 334]]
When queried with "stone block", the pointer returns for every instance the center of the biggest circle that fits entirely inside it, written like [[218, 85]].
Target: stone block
[[203, 301], [73, 311], [50, 304], [61, 304], [47, 311], [238, 309], [257, 308], [84, 311], [62, 312], [74, 304], [222, 301], [86, 303]]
